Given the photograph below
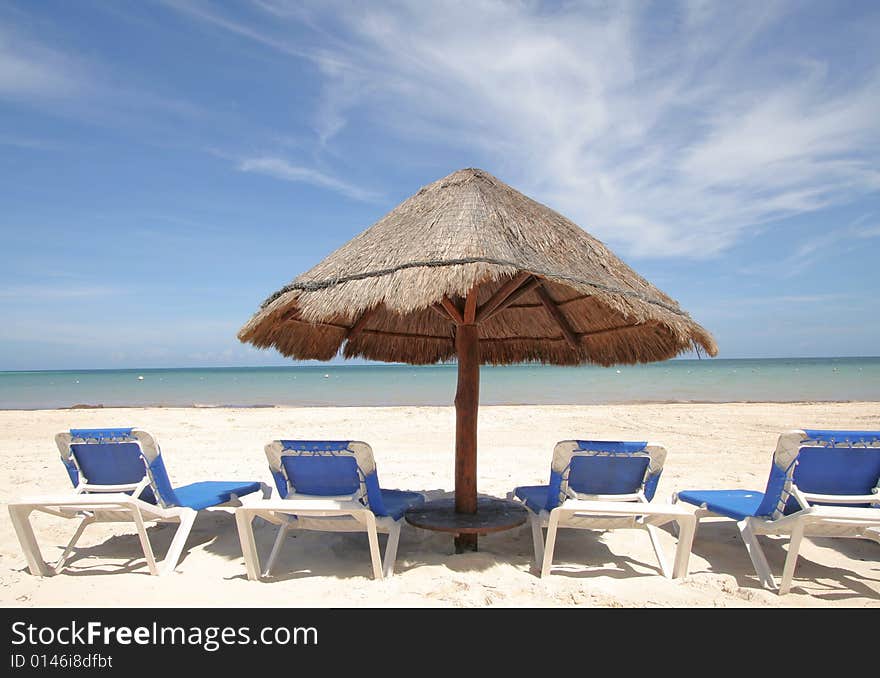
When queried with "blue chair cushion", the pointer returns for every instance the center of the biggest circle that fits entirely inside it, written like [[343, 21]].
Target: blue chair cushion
[[607, 475], [840, 470], [534, 496], [322, 476], [110, 463], [212, 492], [736, 504], [398, 501]]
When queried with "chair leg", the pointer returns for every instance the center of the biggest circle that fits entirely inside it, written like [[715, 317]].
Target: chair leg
[[675, 525], [756, 553], [276, 548], [797, 534], [538, 541], [550, 544], [391, 549], [187, 519], [687, 527], [145, 541], [243, 521], [373, 536], [654, 533], [59, 564], [20, 516]]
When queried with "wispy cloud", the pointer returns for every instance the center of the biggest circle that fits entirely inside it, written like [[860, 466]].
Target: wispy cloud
[[30, 143], [674, 129], [29, 69], [866, 226], [46, 75], [138, 335], [26, 293], [282, 169], [204, 13], [828, 244], [778, 300]]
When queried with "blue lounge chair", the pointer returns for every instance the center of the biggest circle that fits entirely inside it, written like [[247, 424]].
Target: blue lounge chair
[[822, 483], [118, 475], [602, 485], [327, 486]]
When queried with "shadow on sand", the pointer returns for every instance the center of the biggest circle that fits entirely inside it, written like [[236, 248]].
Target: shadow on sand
[[579, 554], [720, 545]]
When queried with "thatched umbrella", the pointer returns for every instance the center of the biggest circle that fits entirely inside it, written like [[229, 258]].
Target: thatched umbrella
[[470, 268]]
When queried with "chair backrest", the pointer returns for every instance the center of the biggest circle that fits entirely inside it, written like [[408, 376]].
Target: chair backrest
[[585, 468], [326, 468], [97, 459], [829, 462]]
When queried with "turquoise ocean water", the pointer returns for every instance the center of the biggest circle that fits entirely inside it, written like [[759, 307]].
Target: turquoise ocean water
[[711, 380]]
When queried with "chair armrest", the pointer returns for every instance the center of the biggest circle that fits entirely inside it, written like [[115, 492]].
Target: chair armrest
[[842, 498], [631, 508]]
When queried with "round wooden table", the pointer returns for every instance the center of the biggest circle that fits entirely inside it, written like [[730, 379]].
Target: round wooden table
[[493, 515]]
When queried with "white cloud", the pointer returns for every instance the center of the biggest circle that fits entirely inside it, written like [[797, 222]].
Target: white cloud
[[282, 169], [677, 145], [673, 129]]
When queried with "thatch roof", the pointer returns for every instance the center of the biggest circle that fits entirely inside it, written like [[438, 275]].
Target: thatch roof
[[383, 294]]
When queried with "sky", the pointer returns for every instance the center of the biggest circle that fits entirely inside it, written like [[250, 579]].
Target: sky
[[167, 164]]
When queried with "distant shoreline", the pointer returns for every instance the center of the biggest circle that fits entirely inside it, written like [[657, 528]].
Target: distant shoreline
[[620, 403]]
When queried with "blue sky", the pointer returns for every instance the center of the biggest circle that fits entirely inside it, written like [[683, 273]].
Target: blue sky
[[165, 165]]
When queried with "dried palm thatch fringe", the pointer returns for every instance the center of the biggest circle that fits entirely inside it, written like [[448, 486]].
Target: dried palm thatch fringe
[[380, 296]]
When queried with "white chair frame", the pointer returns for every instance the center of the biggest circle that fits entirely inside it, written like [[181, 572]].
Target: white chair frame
[[609, 512], [325, 514], [811, 521]]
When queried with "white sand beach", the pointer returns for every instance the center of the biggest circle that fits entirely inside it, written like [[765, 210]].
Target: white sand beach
[[710, 446]]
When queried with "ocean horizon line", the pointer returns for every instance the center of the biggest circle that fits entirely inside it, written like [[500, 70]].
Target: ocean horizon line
[[719, 380], [322, 365]]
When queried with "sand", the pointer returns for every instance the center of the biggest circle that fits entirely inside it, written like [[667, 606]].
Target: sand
[[710, 446]]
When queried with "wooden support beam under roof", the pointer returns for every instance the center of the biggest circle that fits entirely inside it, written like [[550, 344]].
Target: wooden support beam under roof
[[570, 337], [452, 310], [501, 295], [524, 289]]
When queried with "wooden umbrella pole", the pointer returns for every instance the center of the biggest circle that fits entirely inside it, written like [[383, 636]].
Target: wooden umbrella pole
[[467, 401]]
